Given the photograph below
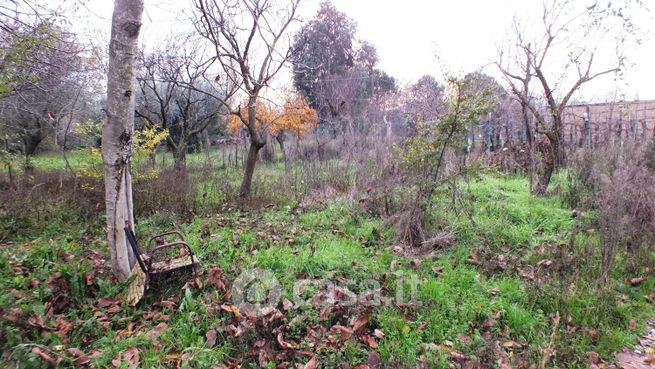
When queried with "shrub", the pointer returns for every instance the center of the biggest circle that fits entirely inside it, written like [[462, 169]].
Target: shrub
[[618, 183], [42, 197]]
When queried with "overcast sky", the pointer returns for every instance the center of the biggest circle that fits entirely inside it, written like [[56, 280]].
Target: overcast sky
[[410, 34]]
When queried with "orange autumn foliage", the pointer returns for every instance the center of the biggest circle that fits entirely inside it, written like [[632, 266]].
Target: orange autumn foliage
[[296, 116]]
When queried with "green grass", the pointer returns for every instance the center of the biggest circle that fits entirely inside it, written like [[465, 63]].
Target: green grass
[[507, 215], [54, 161], [457, 305]]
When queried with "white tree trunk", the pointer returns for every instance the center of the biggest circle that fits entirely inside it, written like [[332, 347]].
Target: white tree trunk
[[118, 131]]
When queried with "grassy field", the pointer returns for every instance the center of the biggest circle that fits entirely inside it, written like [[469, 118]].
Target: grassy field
[[54, 161], [509, 290]]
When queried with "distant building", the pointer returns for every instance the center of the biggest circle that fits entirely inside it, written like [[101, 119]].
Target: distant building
[[598, 124]]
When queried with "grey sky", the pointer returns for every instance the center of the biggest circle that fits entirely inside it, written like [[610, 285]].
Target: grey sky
[[410, 34]]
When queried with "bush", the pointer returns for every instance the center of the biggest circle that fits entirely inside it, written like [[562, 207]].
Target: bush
[[42, 197], [619, 184]]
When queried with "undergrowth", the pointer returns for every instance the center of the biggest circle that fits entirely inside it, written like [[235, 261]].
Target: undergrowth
[[492, 296]]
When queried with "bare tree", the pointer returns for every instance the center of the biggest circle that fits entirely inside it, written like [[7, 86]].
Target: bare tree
[[175, 95], [251, 56], [559, 62], [118, 132], [424, 101], [43, 69]]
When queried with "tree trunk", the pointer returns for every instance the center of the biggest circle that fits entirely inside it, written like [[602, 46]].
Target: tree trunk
[[549, 162], [532, 168], [388, 126], [207, 143], [251, 161], [268, 152], [31, 140], [179, 156], [541, 186], [10, 172], [281, 137], [256, 143], [118, 131]]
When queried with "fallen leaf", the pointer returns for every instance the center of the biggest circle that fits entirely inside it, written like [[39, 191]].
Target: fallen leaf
[[374, 360], [89, 278], [75, 351], [233, 330], [304, 353], [283, 344], [489, 323], [80, 357], [63, 326], [263, 358], [527, 274], [634, 282], [437, 269], [105, 302], [82, 360], [286, 304], [378, 333], [632, 325], [155, 332], [37, 321], [96, 353], [344, 332], [13, 315], [325, 313], [358, 323], [131, 355], [232, 309], [43, 355], [428, 347], [311, 364], [473, 259], [501, 357], [211, 338], [215, 278], [593, 357], [168, 304], [457, 355], [511, 344], [501, 262], [464, 338], [370, 341]]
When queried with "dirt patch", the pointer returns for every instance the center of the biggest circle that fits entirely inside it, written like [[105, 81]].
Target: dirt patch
[[643, 355], [428, 247]]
